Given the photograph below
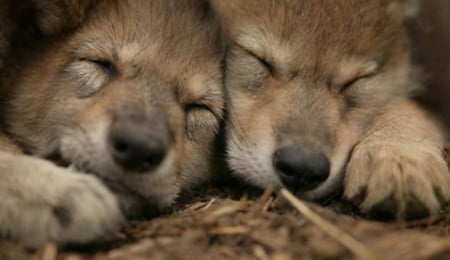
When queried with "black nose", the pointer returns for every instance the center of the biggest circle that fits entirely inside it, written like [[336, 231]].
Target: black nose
[[301, 169], [135, 148]]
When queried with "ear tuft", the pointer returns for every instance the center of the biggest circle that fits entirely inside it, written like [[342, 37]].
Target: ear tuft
[[404, 9], [55, 16]]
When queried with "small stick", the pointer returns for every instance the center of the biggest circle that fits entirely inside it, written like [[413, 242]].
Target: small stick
[[265, 198], [359, 249], [239, 230]]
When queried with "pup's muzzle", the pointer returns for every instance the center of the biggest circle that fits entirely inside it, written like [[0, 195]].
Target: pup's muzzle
[[135, 143], [301, 169]]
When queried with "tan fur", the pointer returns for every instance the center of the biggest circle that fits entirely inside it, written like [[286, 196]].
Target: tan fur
[[330, 77], [101, 66]]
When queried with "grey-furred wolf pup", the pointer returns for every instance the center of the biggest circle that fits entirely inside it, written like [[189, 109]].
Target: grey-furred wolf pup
[[128, 91], [319, 98]]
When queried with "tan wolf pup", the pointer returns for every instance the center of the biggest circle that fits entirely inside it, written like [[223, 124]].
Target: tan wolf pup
[[320, 88], [128, 91]]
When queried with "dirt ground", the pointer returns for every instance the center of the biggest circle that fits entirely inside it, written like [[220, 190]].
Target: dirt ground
[[216, 226], [225, 224]]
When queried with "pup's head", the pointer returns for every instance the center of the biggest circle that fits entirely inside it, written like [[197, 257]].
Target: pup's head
[[132, 94], [305, 78]]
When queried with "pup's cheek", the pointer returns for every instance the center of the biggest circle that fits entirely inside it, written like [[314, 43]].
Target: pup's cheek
[[250, 157]]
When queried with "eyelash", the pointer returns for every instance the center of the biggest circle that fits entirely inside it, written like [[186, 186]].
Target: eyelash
[[197, 106], [267, 65], [104, 64], [262, 61], [353, 81]]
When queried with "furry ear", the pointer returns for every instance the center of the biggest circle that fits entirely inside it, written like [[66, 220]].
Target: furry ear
[[49, 16], [226, 11], [223, 8], [55, 16], [404, 9]]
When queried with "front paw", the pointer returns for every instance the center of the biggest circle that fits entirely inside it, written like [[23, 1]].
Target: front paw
[[86, 211], [44, 203], [397, 182]]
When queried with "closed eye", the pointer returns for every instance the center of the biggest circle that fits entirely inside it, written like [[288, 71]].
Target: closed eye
[[89, 76], [200, 121], [348, 84], [106, 65], [197, 106], [268, 65]]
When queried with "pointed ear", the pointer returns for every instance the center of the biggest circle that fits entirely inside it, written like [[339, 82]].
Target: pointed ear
[[404, 9], [228, 12], [225, 9], [54, 16]]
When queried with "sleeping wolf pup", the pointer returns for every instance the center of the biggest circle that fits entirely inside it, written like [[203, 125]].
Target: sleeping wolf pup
[[320, 88], [129, 91]]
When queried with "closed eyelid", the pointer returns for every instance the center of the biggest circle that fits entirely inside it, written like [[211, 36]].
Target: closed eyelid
[[87, 77], [105, 64], [353, 73], [267, 63]]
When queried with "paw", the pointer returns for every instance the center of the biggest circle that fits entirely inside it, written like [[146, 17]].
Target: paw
[[397, 182], [85, 211], [53, 204]]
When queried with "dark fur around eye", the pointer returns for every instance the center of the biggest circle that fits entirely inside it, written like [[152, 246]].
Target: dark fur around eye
[[350, 101]]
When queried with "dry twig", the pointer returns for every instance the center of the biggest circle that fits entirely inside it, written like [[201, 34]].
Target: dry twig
[[239, 230], [359, 249]]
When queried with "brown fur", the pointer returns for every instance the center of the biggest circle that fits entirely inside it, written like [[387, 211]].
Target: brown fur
[[332, 77], [6, 26], [99, 68]]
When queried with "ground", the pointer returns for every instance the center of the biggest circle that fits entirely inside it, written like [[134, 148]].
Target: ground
[[225, 224], [218, 227]]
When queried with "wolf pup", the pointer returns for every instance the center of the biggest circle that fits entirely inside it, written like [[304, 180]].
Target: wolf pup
[[129, 91], [318, 88]]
